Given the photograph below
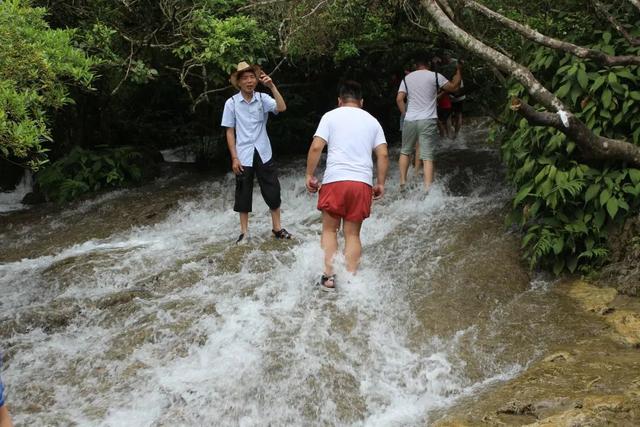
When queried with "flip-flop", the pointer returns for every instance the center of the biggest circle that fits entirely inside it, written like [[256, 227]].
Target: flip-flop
[[327, 283]]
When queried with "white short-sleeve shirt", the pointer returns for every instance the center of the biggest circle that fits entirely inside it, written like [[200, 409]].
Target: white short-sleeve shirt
[[250, 122], [352, 135], [422, 94]]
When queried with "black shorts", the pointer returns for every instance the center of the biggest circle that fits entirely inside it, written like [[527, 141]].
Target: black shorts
[[443, 114], [456, 107], [267, 179]]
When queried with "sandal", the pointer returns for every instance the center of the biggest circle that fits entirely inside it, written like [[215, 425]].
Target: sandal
[[281, 234], [328, 283]]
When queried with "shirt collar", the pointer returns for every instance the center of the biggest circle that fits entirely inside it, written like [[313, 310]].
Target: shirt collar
[[253, 98]]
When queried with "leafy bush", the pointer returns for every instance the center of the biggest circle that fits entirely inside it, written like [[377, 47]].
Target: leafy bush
[[83, 171], [566, 203], [36, 65]]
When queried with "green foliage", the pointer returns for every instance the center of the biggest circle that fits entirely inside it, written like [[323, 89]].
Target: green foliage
[[566, 204], [36, 66], [83, 171]]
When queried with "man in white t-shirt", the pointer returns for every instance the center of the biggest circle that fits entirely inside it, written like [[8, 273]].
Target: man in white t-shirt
[[420, 89], [347, 189]]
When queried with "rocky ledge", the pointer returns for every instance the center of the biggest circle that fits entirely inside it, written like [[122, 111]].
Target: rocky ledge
[[592, 382]]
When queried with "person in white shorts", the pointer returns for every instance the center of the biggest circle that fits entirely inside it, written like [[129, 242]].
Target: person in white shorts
[[420, 90], [347, 189]]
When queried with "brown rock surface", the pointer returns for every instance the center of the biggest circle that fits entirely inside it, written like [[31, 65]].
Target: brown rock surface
[[592, 382]]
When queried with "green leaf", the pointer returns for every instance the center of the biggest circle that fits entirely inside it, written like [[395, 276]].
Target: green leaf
[[606, 36], [606, 98], [623, 204], [591, 192], [604, 197], [599, 82], [612, 207], [635, 175], [635, 95], [564, 89], [599, 218], [522, 194], [558, 245], [558, 266], [583, 80], [572, 263]]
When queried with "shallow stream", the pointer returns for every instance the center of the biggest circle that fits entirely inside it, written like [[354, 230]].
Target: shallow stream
[[167, 322]]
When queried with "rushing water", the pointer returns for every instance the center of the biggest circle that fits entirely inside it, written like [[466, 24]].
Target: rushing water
[[166, 322]]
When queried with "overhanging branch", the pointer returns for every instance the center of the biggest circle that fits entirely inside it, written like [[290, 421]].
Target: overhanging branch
[[564, 120], [535, 36], [591, 145]]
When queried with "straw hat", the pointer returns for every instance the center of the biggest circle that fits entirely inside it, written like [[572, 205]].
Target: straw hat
[[240, 68]]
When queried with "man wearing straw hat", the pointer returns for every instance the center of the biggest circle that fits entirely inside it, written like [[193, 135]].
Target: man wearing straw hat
[[245, 117]]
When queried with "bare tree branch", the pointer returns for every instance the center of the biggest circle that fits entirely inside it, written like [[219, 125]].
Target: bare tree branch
[[635, 41], [603, 148], [533, 35], [499, 60], [636, 3], [592, 146], [444, 4]]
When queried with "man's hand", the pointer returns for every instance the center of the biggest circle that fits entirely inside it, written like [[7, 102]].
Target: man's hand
[[378, 191], [236, 166], [266, 80], [312, 184]]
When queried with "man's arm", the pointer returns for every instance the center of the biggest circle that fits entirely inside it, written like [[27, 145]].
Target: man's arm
[[382, 163], [402, 106], [454, 84], [281, 106], [315, 151], [236, 166]]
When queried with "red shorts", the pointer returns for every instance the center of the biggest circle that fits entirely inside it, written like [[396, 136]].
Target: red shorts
[[350, 200]]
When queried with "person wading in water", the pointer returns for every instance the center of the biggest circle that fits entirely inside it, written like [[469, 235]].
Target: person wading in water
[[245, 117], [420, 90], [347, 189]]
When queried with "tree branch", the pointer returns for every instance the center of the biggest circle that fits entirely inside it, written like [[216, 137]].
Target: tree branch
[[636, 3], [533, 35], [635, 41], [591, 145], [569, 124]]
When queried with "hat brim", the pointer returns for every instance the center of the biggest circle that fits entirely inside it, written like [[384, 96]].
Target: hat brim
[[233, 79]]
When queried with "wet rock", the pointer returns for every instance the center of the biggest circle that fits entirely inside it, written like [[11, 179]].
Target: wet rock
[[34, 198], [561, 356], [53, 317], [571, 418], [517, 408], [627, 324], [613, 403], [122, 297], [593, 298]]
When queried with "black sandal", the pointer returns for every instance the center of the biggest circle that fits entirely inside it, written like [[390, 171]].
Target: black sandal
[[281, 234], [328, 283]]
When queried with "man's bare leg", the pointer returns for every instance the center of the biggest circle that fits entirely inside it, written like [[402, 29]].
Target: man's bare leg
[[329, 240], [5, 418], [275, 219], [352, 245], [428, 173], [417, 162], [404, 167], [244, 222]]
